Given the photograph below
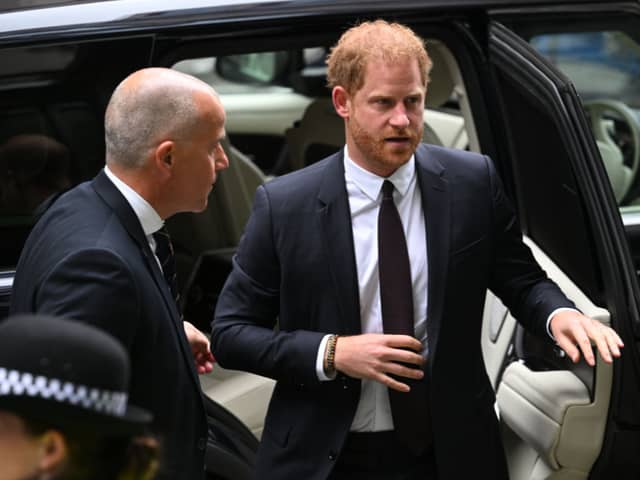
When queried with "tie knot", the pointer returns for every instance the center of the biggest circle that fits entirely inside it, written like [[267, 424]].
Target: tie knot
[[387, 190]]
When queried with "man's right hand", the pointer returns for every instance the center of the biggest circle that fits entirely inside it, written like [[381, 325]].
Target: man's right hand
[[374, 356]]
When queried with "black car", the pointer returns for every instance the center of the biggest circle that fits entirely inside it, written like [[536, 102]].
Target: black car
[[549, 89]]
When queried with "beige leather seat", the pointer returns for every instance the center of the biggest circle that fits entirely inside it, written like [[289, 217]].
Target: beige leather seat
[[320, 131]]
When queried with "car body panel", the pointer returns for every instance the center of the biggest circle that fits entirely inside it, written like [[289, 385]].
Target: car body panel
[[142, 15]]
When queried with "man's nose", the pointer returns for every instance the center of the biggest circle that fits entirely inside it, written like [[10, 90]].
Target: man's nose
[[399, 118]]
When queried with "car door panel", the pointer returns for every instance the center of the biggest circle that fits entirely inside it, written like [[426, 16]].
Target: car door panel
[[244, 394], [498, 328], [554, 412], [555, 415]]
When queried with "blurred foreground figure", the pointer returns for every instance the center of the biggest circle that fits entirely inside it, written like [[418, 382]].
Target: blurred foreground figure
[[64, 413]]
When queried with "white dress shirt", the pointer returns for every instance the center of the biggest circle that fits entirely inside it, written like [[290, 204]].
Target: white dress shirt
[[149, 218], [364, 193]]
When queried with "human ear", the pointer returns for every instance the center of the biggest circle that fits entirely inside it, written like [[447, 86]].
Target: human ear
[[341, 101], [52, 452], [163, 154]]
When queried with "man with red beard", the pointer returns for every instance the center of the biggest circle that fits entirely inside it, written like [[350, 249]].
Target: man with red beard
[[375, 263]]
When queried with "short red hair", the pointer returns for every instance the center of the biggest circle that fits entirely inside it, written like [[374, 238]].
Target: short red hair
[[377, 40]]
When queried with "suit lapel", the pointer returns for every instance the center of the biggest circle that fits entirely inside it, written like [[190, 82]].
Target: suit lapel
[[334, 217], [114, 199], [435, 193], [112, 196]]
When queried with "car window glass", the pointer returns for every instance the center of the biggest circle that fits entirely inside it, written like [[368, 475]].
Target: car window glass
[[52, 100], [604, 67], [551, 211], [600, 64], [25, 61]]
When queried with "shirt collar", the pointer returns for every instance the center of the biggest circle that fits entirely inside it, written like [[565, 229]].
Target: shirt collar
[[149, 218], [371, 184]]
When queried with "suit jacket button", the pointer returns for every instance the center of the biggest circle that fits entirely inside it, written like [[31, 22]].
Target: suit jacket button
[[332, 455]]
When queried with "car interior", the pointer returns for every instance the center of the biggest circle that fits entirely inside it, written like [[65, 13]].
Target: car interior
[[280, 118]]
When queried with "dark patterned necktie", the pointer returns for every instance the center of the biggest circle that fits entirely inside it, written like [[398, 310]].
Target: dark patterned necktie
[[410, 411], [167, 258]]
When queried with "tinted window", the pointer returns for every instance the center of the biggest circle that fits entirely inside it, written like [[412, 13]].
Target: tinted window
[[604, 66], [52, 100], [600, 64]]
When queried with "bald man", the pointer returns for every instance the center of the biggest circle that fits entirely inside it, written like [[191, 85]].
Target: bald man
[[92, 256]]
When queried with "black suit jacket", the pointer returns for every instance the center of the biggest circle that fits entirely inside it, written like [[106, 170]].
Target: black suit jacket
[[88, 259], [296, 262]]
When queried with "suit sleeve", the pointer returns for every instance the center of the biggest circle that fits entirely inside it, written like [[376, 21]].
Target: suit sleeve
[[244, 333], [516, 277], [93, 286]]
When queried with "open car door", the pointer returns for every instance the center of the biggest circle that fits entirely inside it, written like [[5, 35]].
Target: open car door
[[560, 420]]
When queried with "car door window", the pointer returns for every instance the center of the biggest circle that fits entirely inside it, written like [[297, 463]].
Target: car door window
[[604, 67], [548, 156]]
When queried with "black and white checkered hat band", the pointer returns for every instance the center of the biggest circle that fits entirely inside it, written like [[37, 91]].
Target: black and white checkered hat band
[[15, 383]]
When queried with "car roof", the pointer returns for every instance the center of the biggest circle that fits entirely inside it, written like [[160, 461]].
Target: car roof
[[50, 17]]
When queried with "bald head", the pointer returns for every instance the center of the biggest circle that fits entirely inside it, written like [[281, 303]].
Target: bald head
[[149, 106]]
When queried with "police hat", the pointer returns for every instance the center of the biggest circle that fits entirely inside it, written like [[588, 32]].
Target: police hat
[[67, 374]]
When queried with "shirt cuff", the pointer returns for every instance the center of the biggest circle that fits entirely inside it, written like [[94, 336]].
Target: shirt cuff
[[557, 310], [320, 361]]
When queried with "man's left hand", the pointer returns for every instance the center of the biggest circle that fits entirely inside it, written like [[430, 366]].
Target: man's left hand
[[200, 348], [575, 332]]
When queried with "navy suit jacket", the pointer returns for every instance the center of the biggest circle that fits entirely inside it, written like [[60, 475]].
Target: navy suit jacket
[[296, 265], [88, 259]]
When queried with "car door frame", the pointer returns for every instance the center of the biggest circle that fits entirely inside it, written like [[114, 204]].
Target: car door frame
[[510, 54]]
